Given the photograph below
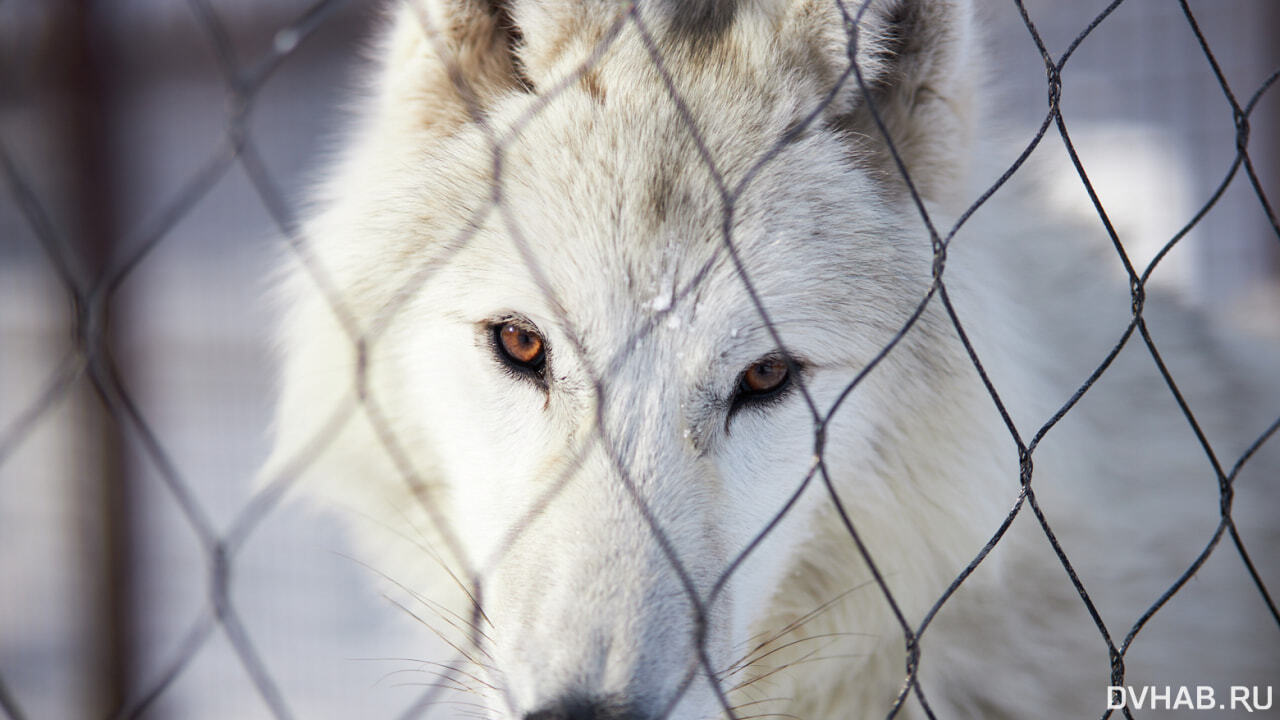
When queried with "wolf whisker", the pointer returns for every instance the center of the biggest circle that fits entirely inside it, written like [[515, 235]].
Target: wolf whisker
[[798, 622], [743, 665], [439, 634]]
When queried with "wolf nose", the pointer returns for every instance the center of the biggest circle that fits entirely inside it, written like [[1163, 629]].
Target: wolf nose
[[584, 709]]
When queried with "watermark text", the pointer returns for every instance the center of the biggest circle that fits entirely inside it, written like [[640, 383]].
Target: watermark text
[[1244, 698]]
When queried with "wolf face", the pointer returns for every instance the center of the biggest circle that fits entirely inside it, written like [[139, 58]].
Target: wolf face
[[621, 420], [599, 282], [583, 372]]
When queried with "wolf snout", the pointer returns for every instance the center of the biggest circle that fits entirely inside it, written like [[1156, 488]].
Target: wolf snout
[[588, 709]]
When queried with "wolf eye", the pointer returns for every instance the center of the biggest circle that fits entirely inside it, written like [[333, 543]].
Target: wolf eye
[[520, 347], [764, 378], [763, 382]]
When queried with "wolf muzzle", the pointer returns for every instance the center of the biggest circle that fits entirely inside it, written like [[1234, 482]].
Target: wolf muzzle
[[580, 708]]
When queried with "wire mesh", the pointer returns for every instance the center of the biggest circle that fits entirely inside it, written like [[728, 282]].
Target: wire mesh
[[91, 358]]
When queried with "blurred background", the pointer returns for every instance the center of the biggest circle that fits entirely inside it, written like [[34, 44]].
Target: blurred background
[[154, 155]]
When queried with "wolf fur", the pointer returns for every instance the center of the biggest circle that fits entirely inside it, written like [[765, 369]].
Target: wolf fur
[[584, 167]]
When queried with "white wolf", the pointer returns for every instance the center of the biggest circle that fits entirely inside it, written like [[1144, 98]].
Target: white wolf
[[529, 341]]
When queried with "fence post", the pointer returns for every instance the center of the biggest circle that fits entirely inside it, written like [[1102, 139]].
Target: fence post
[[86, 65]]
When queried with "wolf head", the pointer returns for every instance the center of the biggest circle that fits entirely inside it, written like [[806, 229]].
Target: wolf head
[[581, 311]]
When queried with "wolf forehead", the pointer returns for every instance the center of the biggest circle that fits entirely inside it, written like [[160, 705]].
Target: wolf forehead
[[624, 198], [630, 138]]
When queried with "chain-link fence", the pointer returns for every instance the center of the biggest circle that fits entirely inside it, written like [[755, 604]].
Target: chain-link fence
[[100, 468]]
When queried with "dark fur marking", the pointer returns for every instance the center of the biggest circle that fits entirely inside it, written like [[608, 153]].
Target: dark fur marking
[[591, 84], [700, 20], [661, 187], [906, 33], [500, 10]]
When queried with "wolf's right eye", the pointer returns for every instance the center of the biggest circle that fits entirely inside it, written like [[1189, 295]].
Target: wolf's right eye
[[520, 347], [764, 382], [764, 378]]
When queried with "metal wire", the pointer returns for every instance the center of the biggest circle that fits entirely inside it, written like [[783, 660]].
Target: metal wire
[[243, 83]]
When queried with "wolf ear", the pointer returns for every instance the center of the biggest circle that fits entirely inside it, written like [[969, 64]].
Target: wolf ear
[[446, 59], [919, 71]]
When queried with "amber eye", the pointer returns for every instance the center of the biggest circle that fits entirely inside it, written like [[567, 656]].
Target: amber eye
[[520, 346], [764, 378]]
